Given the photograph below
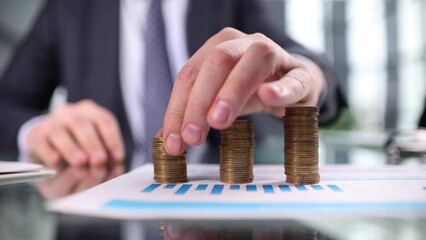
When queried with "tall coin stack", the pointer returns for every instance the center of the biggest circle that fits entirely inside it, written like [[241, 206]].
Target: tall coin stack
[[301, 145], [167, 168], [237, 152]]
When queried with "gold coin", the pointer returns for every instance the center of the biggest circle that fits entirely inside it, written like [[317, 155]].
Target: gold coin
[[301, 145], [237, 152], [167, 168]]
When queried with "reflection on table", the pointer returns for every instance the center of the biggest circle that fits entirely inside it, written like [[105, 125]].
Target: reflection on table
[[23, 214]]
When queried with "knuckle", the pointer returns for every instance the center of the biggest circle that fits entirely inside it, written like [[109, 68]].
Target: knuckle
[[229, 32], [175, 116], [54, 127], [221, 56], [106, 117], [64, 110], [259, 36], [265, 48], [78, 121], [187, 76], [62, 114], [87, 103], [198, 106], [302, 78]]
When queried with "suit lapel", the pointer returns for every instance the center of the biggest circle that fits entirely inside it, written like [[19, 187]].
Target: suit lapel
[[206, 18], [103, 42], [198, 28], [104, 81]]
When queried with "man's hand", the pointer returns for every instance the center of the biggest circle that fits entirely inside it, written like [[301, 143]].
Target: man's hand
[[80, 133], [234, 74]]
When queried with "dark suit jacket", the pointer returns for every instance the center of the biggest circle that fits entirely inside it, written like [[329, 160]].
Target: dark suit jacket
[[75, 44]]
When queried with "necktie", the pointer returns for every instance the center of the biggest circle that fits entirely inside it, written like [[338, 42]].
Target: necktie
[[158, 79]]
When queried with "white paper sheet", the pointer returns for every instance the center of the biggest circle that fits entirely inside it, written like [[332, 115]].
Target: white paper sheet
[[343, 191], [17, 167]]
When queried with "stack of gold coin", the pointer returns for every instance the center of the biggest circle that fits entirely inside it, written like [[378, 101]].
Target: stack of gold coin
[[167, 168], [237, 152], [301, 145]]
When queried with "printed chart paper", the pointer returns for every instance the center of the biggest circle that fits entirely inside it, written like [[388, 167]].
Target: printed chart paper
[[343, 190]]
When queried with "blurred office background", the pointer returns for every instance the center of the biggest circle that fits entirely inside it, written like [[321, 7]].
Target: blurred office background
[[378, 48]]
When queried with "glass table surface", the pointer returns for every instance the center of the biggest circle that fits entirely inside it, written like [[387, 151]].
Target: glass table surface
[[23, 214]]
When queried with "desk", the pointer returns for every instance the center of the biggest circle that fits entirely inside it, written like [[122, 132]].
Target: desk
[[23, 215]]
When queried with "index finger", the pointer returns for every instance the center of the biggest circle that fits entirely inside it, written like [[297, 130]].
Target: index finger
[[184, 82]]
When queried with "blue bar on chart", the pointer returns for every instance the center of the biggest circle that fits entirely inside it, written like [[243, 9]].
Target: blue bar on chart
[[169, 186], [217, 189], [234, 187], [251, 188], [424, 188], [284, 188], [268, 189], [335, 188], [301, 188], [201, 187], [151, 188], [183, 189], [317, 187]]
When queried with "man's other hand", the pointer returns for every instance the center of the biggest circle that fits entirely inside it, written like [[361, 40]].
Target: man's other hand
[[81, 133]]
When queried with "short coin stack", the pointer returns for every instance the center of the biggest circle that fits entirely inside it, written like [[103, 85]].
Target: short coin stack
[[167, 168], [237, 153], [301, 145]]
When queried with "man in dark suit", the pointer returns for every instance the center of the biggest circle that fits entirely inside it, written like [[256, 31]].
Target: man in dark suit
[[75, 44]]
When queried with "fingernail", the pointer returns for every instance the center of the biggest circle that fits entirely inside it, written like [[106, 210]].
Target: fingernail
[[174, 143], [174, 231], [221, 112], [192, 134]]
